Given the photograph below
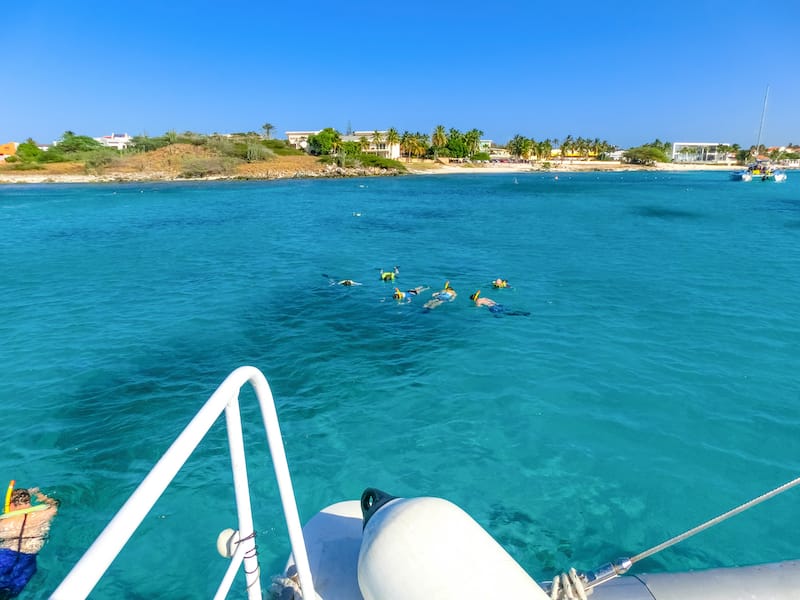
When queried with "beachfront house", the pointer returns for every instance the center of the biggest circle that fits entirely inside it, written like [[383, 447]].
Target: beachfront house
[[700, 152], [118, 141], [299, 139], [8, 149]]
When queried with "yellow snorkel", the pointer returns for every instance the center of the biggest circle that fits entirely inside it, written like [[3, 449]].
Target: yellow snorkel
[[7, 504], [474, 296]]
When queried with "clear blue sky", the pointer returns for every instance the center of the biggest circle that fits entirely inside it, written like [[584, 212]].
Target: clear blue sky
[[626, 72]]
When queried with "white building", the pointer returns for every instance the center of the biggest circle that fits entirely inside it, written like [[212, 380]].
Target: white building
[[299, 139], [118, 141], [698, 152]]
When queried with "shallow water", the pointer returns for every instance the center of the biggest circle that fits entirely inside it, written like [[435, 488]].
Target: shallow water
[[653, 386]]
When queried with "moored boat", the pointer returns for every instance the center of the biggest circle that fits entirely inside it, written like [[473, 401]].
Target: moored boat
[[760, 170]]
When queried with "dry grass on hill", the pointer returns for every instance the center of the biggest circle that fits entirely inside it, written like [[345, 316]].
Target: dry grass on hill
[[171, 162]]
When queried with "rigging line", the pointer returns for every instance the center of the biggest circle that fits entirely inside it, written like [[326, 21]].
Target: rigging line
[[715, 520]]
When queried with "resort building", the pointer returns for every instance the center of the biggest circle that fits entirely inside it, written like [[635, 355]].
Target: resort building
[[8, 149], [118, 141], [299, 139], [699, 152]]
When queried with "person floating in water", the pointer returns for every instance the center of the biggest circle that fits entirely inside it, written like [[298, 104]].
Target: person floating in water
[[389, 275], [495, 308], [500, 283], [446, 294], [406, 296], [23, 532], [344, 282]]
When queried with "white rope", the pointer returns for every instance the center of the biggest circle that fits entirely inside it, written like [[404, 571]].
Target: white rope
[[715, 520]]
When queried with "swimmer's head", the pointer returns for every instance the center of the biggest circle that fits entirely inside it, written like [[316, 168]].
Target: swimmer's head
[[398, 295], [20, 497], [475, 295], [447, 285]]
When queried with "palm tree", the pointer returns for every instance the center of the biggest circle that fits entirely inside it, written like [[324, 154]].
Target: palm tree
[[567, 146], [518, 146], [337, 149], [392, 138], [473, 140], [527, 148], [406, 144], [421, 143], [267, 127], [377, 140], [439, 137], [544, 150], [686, 151]]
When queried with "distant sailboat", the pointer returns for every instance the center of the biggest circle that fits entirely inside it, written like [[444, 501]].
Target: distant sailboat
[[762, 169]]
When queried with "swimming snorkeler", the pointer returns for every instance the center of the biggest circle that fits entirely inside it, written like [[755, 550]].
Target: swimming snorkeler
[[344, 282], [446, 294], [389, 275], [406, 296], [496, 309], [500, 283], [23, 531]]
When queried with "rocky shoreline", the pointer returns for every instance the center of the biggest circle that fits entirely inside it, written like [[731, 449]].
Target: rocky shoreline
[[332, 171]]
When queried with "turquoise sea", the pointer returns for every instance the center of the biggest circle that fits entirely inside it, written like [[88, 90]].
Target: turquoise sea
[[653, 386]]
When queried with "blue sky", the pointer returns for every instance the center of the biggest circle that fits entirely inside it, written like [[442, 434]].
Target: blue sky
[[626, 72]]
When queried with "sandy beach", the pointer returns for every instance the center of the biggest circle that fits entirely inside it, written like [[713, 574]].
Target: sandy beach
[[567, 166]]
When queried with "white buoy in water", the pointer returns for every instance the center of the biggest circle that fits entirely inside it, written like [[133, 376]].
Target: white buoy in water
[[424, 548]]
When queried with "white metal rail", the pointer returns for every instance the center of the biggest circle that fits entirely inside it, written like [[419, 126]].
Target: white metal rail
[[83, 577]]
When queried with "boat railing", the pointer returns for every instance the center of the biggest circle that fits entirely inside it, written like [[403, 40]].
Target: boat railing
[[84, 576]]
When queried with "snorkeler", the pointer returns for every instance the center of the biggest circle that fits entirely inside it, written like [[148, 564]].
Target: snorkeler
[[500, 283], [389, 275], [446, 294], [344, 282], [406, 296], [23, 531], [495, 308]]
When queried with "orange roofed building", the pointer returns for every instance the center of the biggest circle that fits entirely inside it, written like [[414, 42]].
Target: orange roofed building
[[9, 149]]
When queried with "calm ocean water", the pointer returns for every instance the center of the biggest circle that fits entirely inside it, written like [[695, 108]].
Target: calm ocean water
[[653, 386]]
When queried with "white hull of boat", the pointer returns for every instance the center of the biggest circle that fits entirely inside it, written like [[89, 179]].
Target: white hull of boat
[[742, 176], [334, 538]]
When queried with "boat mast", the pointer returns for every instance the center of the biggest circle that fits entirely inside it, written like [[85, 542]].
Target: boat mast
[[761, 127]]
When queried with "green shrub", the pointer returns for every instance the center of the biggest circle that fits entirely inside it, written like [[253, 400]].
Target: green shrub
[[142, 143], [282, 148], [370, 160], [12, 159], [100, 158], [26, 166], [207, 167], [258, 152], [29, 152], [226, 147], [53, 155]]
